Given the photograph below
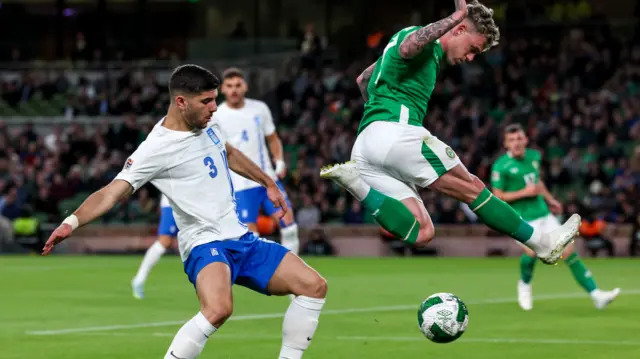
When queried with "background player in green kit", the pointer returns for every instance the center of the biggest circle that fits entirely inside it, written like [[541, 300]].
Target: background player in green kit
[[393, 153], [515, 178]]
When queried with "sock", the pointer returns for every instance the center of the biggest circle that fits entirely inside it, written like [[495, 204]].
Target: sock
[[151, 258], [289, 238], [526, 268], [191, 338], [392, 215], [299, 325], [581, 273], [499, 216]]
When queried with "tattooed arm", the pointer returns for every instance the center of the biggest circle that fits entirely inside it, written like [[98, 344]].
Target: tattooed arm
[[363, 80], [413, 44]]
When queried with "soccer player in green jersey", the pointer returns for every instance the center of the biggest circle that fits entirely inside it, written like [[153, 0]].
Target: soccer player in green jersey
[[393, 153], [515, 178]]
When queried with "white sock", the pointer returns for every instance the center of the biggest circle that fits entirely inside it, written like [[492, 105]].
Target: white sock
[[191, 338], [299, 325], [151, 258], [537, 240], [359, 189], [289, 238]]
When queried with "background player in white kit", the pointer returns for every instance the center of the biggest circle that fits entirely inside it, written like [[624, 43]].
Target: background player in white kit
[[167, 233], [185, 156], [248, 126]]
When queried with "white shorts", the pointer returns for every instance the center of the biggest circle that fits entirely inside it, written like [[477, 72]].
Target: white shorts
[[394, 158]]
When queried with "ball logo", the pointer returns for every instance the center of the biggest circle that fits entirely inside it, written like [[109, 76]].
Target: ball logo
[[450, 152]]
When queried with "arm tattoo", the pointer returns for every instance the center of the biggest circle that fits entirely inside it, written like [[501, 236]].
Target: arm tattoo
[[413, 44], [363, 80]]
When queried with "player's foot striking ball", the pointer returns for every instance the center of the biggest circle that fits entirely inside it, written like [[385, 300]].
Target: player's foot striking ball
[[393, 154]]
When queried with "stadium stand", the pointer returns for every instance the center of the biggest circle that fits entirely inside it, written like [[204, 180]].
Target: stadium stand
[[577, 94]]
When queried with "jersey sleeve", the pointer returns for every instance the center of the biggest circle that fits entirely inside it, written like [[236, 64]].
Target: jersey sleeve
[[142, 165], [268, 127], [497, 176]]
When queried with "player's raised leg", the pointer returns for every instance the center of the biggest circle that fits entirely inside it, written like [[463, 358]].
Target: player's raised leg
[[498, 215], [295, 277], [167, 232], [402, 218], [213, 285]]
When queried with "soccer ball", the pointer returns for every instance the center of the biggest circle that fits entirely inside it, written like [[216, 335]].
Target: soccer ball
[[443, 318]]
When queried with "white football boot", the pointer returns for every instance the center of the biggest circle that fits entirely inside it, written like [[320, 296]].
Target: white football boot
[[551, 245], [525, 297], [602, 298]]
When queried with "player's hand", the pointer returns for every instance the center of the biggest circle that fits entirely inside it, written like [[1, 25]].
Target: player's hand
[[461, 6], [281, 169], [531, 190], [555, 206], [59, 234], [277, 198]]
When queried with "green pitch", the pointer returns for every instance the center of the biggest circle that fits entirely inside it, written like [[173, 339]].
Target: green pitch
[[81, 308]]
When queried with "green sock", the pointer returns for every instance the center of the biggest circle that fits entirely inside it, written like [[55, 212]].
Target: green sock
[[392, 215], [499, 216], [581, 273], [526, 268]]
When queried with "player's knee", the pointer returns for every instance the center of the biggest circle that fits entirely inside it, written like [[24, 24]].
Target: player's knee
[[315, 287], [473, 189], [217, 313], [426, 234]]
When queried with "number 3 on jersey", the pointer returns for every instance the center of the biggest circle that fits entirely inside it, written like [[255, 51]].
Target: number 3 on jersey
[[213, 170]]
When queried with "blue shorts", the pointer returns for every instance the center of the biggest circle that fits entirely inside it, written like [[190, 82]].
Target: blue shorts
[[167, 225], [250, 200], [252, 260]]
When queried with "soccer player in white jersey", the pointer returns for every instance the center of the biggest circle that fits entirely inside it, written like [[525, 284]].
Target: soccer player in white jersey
[[187, 158], [167, 233], [248, 126]]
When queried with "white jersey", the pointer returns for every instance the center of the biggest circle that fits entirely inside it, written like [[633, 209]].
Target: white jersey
[[164, 201], [191, 169], [245, 129]]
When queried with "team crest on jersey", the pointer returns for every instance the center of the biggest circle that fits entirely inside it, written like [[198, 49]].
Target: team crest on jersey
[[535, 164], [128, 164], [450, 152]]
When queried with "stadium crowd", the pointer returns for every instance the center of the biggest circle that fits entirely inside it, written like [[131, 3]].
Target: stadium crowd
[[578, 96]]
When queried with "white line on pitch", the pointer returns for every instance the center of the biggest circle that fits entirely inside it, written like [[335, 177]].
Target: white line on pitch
[[416, 338], [324, 312], [498, 340]]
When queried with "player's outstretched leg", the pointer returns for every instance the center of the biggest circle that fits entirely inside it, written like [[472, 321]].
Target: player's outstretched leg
[[213, 284], [294, 276], [151, 258], [585, 279], [390, 213], [498, 215]]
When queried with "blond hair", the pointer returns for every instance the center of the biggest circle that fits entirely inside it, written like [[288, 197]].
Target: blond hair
[[482, 18]]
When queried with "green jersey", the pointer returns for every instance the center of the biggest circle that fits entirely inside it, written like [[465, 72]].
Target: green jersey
[[399, 89], [510, 174]]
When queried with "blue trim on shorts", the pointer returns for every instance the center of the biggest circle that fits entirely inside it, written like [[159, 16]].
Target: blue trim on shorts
[[167, 225], [251, 200], [251, 260]]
